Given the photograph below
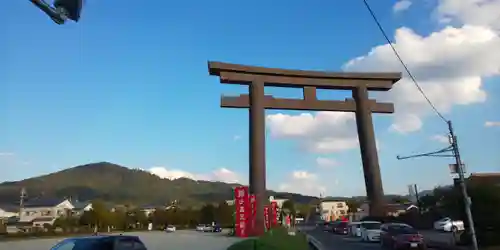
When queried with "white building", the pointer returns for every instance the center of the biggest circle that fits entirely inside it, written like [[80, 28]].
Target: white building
[[7, 211], [332, 210], [44, 211], [390, 209], [79, 207]]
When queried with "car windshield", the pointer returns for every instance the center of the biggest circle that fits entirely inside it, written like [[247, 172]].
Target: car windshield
[[371, 225], [403, 229]]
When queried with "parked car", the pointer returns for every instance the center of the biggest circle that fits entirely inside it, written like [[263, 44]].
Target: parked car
[[370, 231], [216, 229], [200, 228], [448, 225], [401, 236], [354, 229], [328, 226], [340, 227], [105, 242], [170, 229], [208, 228]]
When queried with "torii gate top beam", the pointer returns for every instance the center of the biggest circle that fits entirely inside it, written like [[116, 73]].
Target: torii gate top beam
[[244, 75]]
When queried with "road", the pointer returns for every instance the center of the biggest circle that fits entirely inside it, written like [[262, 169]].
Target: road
[[180, 240], [340, 242], [333, 241]]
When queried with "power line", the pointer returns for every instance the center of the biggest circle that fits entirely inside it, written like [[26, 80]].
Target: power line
[[402, 62]]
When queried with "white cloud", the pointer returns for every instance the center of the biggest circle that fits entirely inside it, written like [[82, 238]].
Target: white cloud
[[236, 137], [324, 132], [6, 154], [441, 139], [449, 65], [303, 182], [474, 12], [492, 124], [221, 174], [401, 5], [324, 162]]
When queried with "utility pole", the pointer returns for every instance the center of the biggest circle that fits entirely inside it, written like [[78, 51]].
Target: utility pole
[[417, 197], [455, 153], [460, 171], [21, 201]]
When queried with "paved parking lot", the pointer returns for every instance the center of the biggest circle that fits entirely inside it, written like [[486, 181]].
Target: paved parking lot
[[156, 240]]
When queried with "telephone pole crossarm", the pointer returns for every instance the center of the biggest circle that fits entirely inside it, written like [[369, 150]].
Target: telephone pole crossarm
[[430, 154]]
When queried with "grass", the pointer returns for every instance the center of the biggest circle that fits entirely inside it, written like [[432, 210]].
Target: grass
[[276, 239]]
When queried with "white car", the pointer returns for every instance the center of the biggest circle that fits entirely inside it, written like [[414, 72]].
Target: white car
[[208, 228], [170, 229], [200, 228], [448, 225], [370, 231], [355, 229]]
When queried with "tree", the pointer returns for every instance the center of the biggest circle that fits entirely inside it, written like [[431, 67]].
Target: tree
[[288, 208], [399, 200], [224, 214], [353, 206], [207, 214]]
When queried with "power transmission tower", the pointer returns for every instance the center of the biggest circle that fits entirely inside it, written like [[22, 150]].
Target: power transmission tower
[[459, 169]]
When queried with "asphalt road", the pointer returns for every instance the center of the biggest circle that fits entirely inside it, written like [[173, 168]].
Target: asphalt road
[[180, 240], [340, 242]]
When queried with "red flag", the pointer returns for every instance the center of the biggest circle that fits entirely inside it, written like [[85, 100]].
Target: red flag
[[241, 199], [274, 213], [253, 213], [266, 216]]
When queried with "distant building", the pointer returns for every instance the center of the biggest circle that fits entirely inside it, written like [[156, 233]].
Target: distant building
[[484, 178], [79, 207], [391, 210], [332, 210], [149, 209], [44, 211], [8, 210]]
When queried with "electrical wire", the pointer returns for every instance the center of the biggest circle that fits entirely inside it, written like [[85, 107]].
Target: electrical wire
[[414, 80]]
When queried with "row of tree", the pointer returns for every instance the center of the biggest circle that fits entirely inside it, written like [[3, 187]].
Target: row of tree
[[101, 218]]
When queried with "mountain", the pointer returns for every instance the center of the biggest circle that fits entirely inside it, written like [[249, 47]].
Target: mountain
[[118, 184]]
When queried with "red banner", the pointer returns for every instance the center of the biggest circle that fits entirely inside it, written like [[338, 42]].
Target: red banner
[[266, 216], [241, 199], [274, 213], [253, 214]]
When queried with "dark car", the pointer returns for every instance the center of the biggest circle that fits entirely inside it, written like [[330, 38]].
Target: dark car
[[341, 227], [101, 242], [217, 229], [400, 236]]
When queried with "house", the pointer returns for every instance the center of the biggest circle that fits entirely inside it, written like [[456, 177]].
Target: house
[[331, 210], [79, 207], [484, 178], [391, 210], [44, 211], [149, 209], [8, 210]]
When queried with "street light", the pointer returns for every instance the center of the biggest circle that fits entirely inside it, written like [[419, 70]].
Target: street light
[[61, 10]]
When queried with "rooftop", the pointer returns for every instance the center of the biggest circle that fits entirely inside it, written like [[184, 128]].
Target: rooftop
[[43, 203]]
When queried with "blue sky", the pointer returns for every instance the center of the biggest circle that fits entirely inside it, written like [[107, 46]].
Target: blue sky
[[129, 84]]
